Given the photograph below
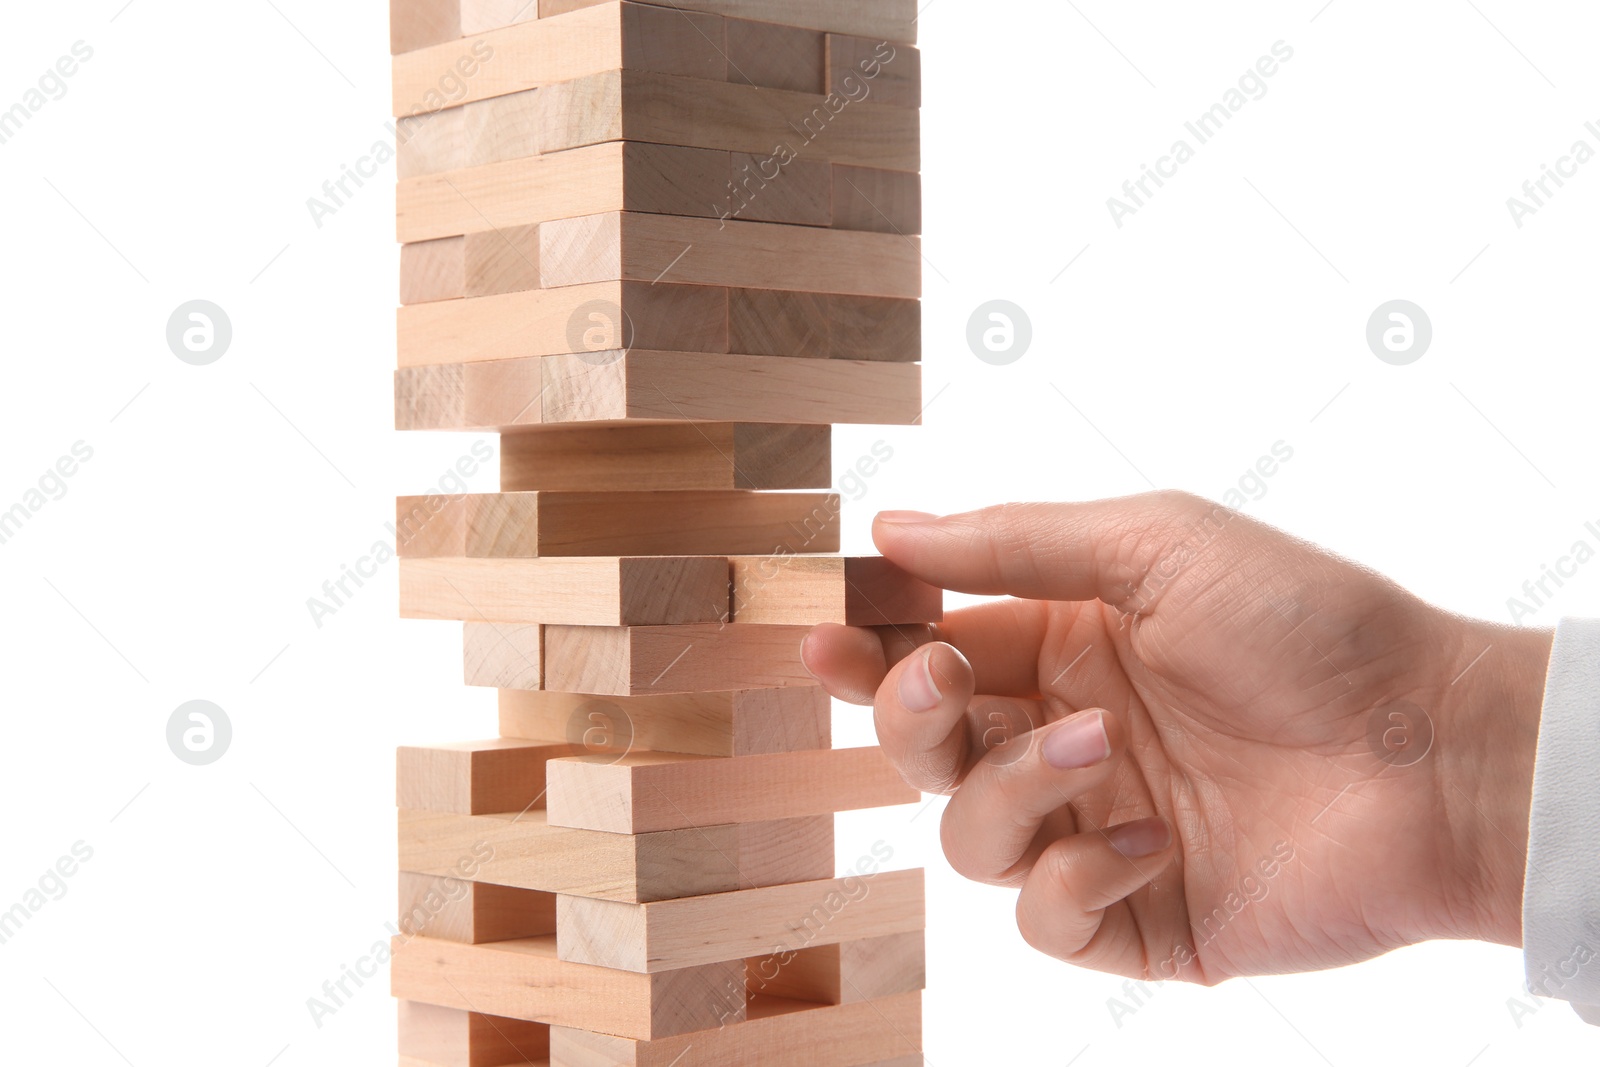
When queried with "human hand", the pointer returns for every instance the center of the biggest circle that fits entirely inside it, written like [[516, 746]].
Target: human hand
[[1200, 747]]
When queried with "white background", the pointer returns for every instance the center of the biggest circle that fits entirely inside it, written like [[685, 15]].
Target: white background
[[1227, 315]]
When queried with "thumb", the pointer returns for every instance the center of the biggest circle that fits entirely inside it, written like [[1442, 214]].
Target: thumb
[[1125, 551]]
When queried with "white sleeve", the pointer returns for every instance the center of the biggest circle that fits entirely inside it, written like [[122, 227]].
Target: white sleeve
[[1561, 886]]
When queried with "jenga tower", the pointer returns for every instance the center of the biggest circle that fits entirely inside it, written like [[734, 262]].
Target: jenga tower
[[660, 248]]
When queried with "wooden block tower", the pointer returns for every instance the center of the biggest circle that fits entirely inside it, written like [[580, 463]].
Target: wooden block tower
[[660, 248]]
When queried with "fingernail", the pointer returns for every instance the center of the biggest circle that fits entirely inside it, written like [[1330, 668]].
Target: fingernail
[[917, 690], [905, 518], [1077, 742], [1136, 840]]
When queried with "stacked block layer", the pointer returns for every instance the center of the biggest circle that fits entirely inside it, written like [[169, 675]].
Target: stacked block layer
[[660, 249]]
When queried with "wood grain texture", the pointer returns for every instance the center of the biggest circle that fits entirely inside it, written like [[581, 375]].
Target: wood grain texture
[[475, 777], [480, 16], [776, 57], [641, 660], [895, 20], [845, 973], [473, 913], [671, 934], [892, 73], [741, 723], [637, 105], [449, 1037], [434, 270], [646, 792], [771, 322], [582, 591], [759, 190], [608, 36], [776, 1033], [525, 980], [630, 246], [866, 198], [638, 458], [675, 522], [415, 24], [798, 590], [501, 261]]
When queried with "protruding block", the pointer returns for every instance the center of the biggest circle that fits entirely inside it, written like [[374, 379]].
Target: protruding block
[[473, 913], [670, 934], [476, 777], [525, 980], [888, 201], [525, 525], [636, 458], [644, 792], [772, 322], [891, 73], [776, 1033], [431, 1036], [807, 590], [580, 590], [627, 661], [433, 270], [747, 723]]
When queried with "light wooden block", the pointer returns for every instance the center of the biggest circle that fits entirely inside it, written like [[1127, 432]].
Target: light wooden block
[[475, 777], [719, 455], [593, 320], [762, 190], [449, 1037], [772, 322], [525, 980], [433, 270], [638, 105], [629, 246], [744, 723], [511, 654], [644, 792], [480, 16], [895, 20], [415, 24], [527, 852], [628, 661], [505, 260], [892, 73], [866, 198], [580, 590], [473, 913], [845, 973], [610, 36], [796, 590], [776, 57], [705, 521], [671, 934], [775, 1033]]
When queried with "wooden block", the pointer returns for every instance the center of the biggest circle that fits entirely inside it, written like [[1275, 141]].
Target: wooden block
[[776, 1033], [895, 20], [638, 105], [583, 591], [435, 397], [501, 261], [644, 792], [671, 934], [866, 198], [629, 246], [617, 176], [799, 590], [845, 973], [776, 57], [589, 319], [473, 913], [771, 322], [763, 190], [433, 270], [525, 980], [528, 55], [480, 16], [528, 853], [638, 660], [701, 456], [512, 655], [415, 24], [476, 777], [743, 723], [432, 142], [892, 73], [676, 522], [449, 1037], [499, 129]]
